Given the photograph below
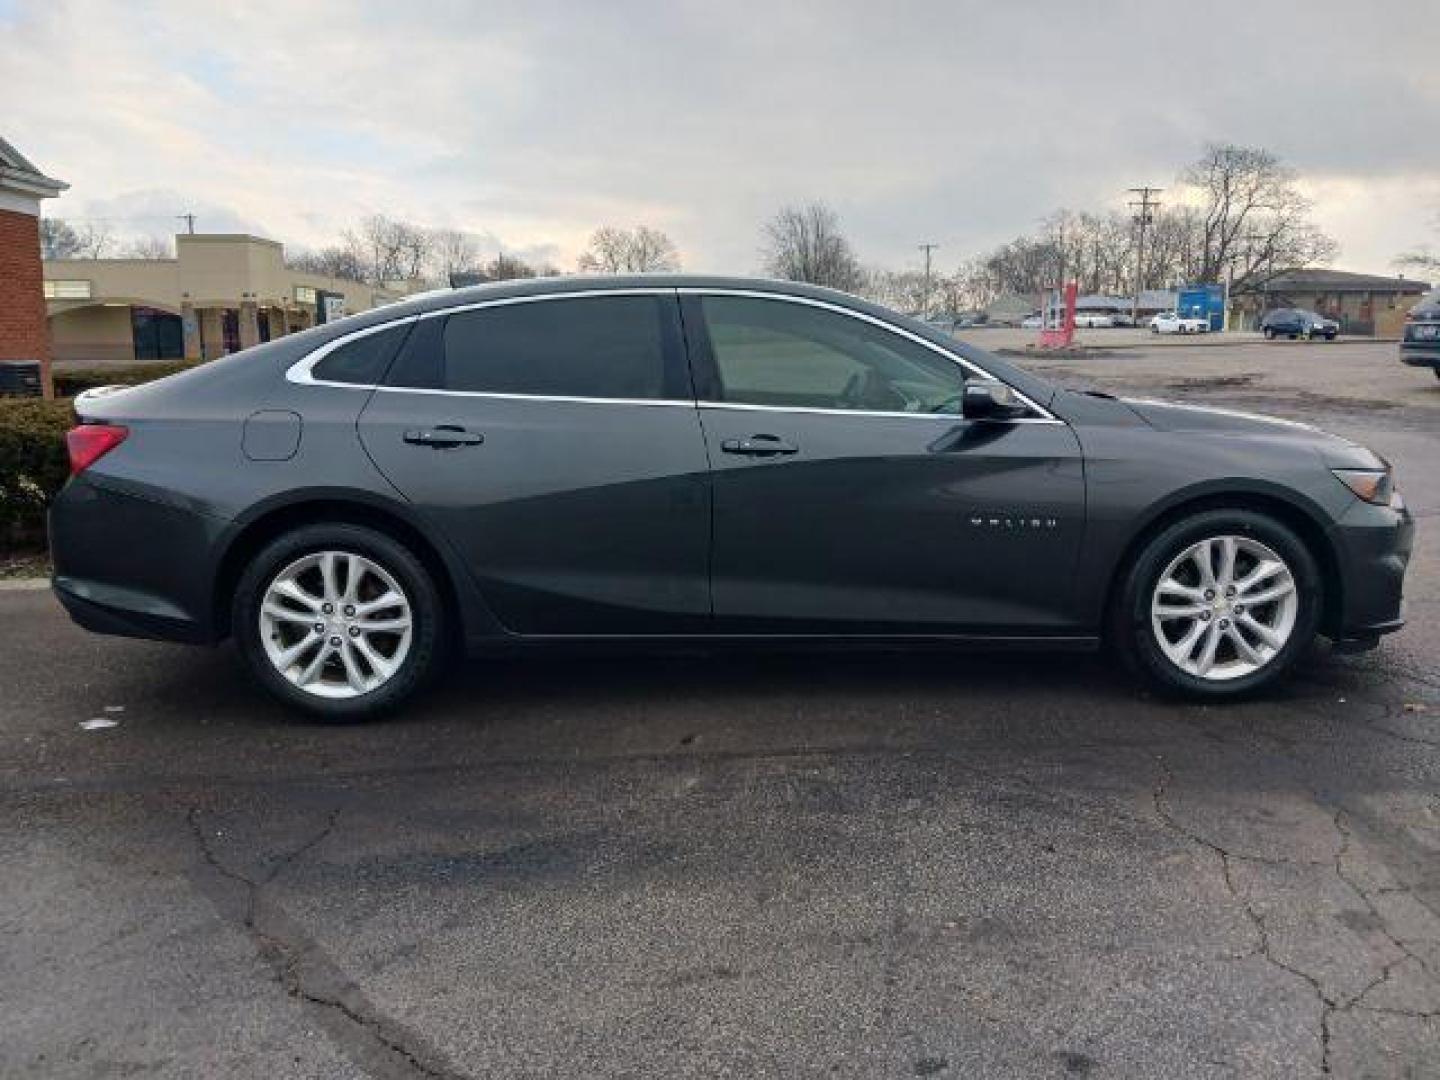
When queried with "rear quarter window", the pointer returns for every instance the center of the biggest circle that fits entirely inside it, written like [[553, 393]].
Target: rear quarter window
[[362, 361]]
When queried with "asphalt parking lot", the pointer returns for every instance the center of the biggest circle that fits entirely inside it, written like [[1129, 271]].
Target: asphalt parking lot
[[745, 865]]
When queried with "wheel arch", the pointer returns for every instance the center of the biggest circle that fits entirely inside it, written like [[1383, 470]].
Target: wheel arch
[[270, 520], [1305, 523]]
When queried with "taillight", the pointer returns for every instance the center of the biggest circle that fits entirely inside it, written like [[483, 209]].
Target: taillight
[[88, 443]]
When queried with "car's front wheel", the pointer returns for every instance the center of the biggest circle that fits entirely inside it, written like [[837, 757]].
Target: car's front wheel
[[339, 620], [1218, 605]]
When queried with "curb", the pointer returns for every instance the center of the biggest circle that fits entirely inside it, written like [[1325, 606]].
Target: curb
[[24, 584]]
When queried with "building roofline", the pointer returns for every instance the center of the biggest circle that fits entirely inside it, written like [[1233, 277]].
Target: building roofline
[[17, 173], [202, 238]]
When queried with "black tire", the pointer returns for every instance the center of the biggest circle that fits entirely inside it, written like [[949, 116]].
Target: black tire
[[426, 611], [1130, 631], [1330, 336]]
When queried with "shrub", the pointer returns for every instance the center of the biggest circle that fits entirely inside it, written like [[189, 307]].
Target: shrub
[[77, 380], [33, 465]]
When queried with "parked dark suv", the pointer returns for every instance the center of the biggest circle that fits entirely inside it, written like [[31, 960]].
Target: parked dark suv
[[706, 460], [1421, 344], [1297, 323]]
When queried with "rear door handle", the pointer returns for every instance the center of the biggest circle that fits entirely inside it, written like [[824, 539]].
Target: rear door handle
[[759, 446], [443, 436]]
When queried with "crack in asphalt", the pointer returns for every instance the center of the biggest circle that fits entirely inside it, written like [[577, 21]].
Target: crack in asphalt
[[1330, 1006], [1346, 835], [1262, 931], [379, 1045]]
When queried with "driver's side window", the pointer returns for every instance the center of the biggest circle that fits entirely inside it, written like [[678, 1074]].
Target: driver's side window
[[789, 355]]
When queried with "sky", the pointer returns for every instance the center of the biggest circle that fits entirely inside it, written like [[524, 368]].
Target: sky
[[533, 122]]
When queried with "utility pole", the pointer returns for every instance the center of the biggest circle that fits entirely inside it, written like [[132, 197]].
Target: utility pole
[[189, 220], [925, 297], [1143, 220]]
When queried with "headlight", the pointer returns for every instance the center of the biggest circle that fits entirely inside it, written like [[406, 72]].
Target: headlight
[[1373, 485]]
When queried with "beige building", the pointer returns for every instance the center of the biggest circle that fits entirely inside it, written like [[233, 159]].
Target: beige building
[[221, 293]]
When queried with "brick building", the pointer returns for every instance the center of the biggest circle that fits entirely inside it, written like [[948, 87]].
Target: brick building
[[23, 332]]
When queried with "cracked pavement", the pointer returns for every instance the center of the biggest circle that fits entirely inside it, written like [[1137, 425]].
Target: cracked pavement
[[751, 865]]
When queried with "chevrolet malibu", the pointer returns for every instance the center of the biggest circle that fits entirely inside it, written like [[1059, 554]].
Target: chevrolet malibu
[[701, 460]]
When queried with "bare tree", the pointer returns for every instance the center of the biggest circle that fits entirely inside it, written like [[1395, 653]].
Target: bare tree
[[629, 251], [1254, 222], [804, 243], [58, 239], [333, 261], [148, 247], [391, 249], [94, 238], [506, 267], [452, 252], [904, 290], [1423, 258]]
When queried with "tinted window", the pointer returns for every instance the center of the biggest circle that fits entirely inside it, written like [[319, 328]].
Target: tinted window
[[606, 347], [772, 352], [362, 360]]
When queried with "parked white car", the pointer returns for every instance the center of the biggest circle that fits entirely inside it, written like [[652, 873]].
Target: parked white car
[[1032, 322], [1094, 320], [1170, 322]]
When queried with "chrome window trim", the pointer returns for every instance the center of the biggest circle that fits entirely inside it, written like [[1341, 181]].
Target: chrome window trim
[[301, 372], [740, 406], [685, 403], [1045, 415]]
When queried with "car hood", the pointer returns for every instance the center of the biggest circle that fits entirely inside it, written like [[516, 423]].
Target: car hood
[[1335, 450], [1170, 416]]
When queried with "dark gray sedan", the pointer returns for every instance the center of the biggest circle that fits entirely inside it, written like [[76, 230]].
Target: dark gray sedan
[[703, 460]]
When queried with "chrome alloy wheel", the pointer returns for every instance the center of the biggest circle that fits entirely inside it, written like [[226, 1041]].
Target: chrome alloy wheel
[[1224, 608], [335, 624]]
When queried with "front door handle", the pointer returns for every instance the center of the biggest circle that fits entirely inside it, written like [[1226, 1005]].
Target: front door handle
[[759, 446], [444, 436]]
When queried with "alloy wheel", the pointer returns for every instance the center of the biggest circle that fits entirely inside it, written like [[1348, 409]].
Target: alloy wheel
[[336, 624], [1224, 608]]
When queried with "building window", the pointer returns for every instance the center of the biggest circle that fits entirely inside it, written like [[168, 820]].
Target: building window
[[304, 294], [67, 290]]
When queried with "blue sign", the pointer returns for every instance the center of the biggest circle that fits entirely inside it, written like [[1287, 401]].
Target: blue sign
[[1202, 302]]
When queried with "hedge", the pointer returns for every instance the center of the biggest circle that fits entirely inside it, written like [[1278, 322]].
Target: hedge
[[33, 466], [75, 380]]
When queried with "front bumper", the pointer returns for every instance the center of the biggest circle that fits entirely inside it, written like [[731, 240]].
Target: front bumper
[[133, 562], [1373, 546], [1421, 353]]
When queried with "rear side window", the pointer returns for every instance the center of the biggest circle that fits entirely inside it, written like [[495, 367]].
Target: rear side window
[[362, 360], [602, 347]]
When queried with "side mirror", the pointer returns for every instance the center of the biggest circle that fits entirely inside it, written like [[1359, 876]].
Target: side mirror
[[989, 399]]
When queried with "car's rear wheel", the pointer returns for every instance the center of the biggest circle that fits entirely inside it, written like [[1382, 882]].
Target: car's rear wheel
[[1218, 605], [339, 620]]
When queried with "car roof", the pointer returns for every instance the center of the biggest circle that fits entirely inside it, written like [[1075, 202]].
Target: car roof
[[546, 286]]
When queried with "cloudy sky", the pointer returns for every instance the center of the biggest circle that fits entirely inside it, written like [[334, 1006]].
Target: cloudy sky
[[532, 122]]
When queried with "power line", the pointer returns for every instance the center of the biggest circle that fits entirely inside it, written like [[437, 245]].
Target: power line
[[1143, 220]]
